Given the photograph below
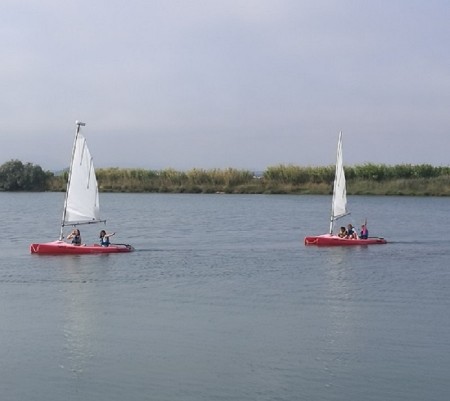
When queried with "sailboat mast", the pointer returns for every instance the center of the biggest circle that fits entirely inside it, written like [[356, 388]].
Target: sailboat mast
[[78, 124]]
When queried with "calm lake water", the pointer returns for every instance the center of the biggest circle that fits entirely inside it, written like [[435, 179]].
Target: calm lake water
[[222, 301]]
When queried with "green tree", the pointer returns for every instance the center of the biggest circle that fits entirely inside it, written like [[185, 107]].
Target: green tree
[[16, 176]]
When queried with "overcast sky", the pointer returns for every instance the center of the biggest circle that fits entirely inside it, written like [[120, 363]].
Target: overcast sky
[[225, 83]]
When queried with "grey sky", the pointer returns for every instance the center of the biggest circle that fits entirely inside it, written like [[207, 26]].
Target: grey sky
[[226, 83]]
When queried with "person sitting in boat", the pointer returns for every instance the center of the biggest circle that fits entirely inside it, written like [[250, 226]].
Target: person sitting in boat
[[104, 238], [364, 232], [75, 236], [351, 233], [342, 233]]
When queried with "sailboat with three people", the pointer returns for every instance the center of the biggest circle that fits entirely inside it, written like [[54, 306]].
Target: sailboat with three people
[[339, 210], [81, 206]]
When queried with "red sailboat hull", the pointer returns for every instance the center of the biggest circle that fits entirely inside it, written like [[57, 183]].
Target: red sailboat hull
[[63, 248], [334, 240]]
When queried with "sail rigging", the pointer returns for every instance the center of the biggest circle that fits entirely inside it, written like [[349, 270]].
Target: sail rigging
[[81, 204], [339, 202]]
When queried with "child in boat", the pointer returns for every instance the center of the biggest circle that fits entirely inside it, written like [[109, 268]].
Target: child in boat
[[104, 238], [75, 236], [342, 233], [351, 233], [364, 232]]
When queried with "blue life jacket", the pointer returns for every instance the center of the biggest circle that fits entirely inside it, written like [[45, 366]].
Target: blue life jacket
[[104, 241]]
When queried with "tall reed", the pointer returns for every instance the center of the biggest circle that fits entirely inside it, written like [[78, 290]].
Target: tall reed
[[369, 178]]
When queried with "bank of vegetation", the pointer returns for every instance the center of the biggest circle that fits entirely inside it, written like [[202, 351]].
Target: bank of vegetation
[[367, 179]]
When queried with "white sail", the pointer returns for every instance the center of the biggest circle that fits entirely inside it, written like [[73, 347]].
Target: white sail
[[339, 203], [82, 202]]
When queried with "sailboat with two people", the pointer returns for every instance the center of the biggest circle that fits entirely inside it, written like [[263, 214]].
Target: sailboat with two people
[[81, 205], [339, 210]]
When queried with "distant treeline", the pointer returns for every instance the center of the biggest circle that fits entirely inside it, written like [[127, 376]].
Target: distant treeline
[[367, 179], [16, 176]]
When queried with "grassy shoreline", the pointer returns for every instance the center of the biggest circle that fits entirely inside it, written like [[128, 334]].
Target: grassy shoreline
[[275, 180], [367, 179]]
